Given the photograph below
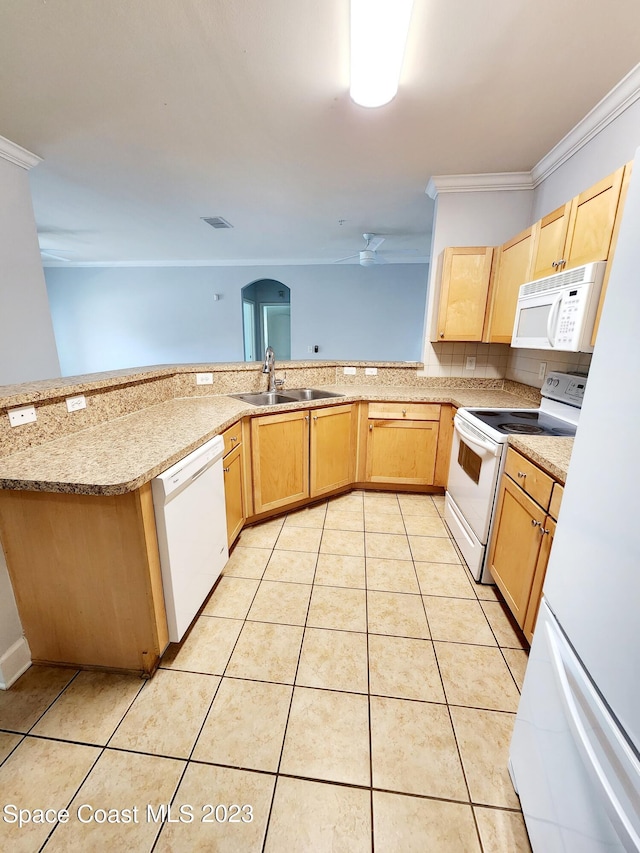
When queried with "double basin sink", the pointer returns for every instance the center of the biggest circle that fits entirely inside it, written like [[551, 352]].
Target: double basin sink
[[295, 395]]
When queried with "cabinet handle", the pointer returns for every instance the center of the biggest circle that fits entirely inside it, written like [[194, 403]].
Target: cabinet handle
[[404, 412], [522, 474], [544, 531], [370, 427], [535, 523], [306, 417], [226, 470], [315, 417], [442, 334], [234, 438]]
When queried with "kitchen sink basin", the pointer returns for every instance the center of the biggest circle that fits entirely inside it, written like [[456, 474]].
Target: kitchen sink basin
[[264, 398], [310, 394], [295, 395]]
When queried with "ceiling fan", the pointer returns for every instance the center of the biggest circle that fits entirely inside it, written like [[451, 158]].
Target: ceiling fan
[[368, 256]]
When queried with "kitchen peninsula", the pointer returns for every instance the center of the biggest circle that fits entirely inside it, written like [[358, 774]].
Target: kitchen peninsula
[[76, 515]]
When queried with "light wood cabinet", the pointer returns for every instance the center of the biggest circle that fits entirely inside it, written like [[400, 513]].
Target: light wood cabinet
[[301, 454], [402, 447], [332, 449], [513, 268], [522, 537], [464, 288], [279, 459], [86, 574], [234, 493], [580, 231]]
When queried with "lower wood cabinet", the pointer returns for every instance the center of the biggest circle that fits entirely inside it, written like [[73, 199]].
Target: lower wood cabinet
[[402, 443], [86, 574], [234, 492], [296, 455], [521, 541]]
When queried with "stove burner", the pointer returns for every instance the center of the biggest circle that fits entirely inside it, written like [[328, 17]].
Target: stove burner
[[491, 414], [532, 416], [523, 429]]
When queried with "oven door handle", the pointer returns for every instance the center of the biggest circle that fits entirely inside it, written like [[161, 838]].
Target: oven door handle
[[552, 320], [477, 443]]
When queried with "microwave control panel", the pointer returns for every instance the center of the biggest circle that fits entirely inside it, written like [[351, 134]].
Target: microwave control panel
[[569, 317]]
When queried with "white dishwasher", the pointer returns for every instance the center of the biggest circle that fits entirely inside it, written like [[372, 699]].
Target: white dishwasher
[[189, 505]]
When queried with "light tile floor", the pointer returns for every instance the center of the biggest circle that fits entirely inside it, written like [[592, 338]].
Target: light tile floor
[[347, 687]]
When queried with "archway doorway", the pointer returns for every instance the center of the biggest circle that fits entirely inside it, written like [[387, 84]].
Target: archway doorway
[[266, 319]]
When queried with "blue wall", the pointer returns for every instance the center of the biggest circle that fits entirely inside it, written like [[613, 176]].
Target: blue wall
[[107, 318]]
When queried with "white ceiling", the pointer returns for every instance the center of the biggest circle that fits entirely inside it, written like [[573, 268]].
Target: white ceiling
[[150, 114]]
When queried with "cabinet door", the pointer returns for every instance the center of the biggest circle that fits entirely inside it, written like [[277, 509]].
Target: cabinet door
[[593, 214], [332, 448], [513, 269], [402, 452], [515, 544], [466, 274], [445, 440], [547, 532], [614, 239], [549, 238], [280, 459], [233, 493]]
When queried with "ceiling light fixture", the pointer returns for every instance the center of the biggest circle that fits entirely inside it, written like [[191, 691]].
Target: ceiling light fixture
[[379, 30]]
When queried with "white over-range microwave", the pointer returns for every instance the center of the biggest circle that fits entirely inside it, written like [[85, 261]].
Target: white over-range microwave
[[558, 312]]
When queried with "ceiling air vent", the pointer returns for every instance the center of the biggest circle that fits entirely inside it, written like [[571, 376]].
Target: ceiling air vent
[[217, 222]]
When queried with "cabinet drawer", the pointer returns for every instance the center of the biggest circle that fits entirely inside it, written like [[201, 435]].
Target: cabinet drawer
[[232, 437], [556, 500], [408, 411], [529, 477]]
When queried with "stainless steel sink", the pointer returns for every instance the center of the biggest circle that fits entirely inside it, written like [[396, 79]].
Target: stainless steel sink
[[265, 398], [295, 395], [310, 394]]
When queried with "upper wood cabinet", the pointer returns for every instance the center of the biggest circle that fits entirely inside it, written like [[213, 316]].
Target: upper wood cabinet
[[513, 268], [580, 231], [465, 280]]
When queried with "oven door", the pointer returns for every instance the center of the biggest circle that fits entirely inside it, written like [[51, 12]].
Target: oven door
[[475, 466]]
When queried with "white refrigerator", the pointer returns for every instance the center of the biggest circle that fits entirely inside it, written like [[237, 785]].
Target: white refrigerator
[[575, 752]]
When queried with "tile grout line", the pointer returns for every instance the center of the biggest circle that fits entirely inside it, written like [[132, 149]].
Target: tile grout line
[[366, 616]]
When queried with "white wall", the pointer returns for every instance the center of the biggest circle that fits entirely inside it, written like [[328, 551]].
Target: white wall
[[27, 344], [485, 218], [107, 318]]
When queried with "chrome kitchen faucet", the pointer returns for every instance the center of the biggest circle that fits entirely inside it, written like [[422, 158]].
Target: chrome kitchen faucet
[[269, 367]]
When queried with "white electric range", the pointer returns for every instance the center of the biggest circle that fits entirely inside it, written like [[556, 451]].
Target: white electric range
[[478, 457]]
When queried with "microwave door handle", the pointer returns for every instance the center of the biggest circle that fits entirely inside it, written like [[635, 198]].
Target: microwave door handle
[[552, 321]]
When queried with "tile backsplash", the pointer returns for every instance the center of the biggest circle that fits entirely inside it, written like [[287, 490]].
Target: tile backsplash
[[499, 361]]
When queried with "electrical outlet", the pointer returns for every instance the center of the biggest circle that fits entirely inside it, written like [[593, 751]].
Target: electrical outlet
[[204, 378], [471, 362], [349, 371], [74, 404], [542, 370], [371, 371], [23, 415]]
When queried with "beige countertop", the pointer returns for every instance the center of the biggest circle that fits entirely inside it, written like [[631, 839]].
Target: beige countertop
[[551, 453], [122, 454]]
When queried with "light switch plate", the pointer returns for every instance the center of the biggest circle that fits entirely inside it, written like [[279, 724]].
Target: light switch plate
[[204, 378], [349, 371], [471, 362], [371, 371], [74, 404], [22, 415], [542, 370]]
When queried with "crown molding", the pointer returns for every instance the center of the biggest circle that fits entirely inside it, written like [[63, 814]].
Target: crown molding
[[614, 103], [482, 183], [264, 262], [15, 154]]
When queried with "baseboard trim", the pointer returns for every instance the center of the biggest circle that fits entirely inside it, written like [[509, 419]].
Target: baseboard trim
[[14, 662]]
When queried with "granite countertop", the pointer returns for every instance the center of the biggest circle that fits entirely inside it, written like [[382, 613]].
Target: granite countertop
[[121, 455], [551, 453]]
